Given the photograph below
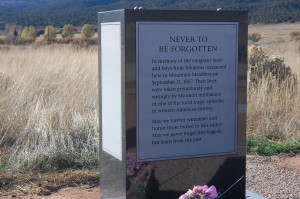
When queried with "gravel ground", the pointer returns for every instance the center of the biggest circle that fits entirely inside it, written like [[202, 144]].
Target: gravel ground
[[275, 177]]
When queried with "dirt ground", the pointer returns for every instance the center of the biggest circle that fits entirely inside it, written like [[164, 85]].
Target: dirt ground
[[274, 177], [64, 193], [288, 161], [274, 33]]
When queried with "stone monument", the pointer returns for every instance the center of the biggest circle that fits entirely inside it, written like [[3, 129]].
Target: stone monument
[[173, 95]]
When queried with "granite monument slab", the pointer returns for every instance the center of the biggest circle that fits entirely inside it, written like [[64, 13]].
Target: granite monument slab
[[173, 95]]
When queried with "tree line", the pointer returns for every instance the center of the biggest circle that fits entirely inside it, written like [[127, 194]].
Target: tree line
[[79, 12], [29, 34]]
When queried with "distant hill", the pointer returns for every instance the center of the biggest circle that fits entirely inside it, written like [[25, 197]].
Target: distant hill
[[78, 12]]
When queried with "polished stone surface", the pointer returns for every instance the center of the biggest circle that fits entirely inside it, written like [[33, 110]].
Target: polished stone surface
[[170, 178]]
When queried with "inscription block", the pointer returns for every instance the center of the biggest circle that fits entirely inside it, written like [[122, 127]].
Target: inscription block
[[173, 95], [186, 89]]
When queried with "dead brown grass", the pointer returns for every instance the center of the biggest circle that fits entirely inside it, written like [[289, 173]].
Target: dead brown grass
[[48, 105], [295, 36], [47, 183], [273, 107]]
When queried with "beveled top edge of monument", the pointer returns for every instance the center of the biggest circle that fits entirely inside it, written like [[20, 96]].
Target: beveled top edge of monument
[[109, 11], [179, 15], [166, 10]]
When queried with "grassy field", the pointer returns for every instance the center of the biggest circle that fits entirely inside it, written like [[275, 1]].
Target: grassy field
[[49, 106], [276, 41], [273, 121]]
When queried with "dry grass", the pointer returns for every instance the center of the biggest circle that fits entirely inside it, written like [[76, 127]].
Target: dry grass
[[48, 105], [49, 99], [276, 40], [295, 36], [254, 36], [273, 110], [274, 107], [290, 51], [45, 184]]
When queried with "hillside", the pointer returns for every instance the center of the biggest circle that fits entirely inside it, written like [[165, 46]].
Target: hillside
[[78, 12]]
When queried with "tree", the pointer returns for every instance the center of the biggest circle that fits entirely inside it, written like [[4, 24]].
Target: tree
[[28, 34], [25, 33], [31, 33], [23, 38], [11, 33], [87, 31], [50, 33], [68, 31]]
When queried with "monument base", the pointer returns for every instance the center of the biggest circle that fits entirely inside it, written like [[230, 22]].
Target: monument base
[[251, 195]]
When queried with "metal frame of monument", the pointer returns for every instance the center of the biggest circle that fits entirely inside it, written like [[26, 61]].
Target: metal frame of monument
[[169, 177]]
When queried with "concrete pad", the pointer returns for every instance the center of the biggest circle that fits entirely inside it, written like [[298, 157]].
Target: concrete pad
[[251, 195]]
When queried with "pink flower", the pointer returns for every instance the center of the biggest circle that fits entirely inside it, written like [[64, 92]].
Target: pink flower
[[130, 168], [188, 195], [199, 190], [184, 196], [203, 192], [211, 193]]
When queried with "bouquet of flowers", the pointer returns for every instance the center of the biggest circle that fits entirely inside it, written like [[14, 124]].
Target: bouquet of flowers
[[138, 175], [201, 192], [137, 169]]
